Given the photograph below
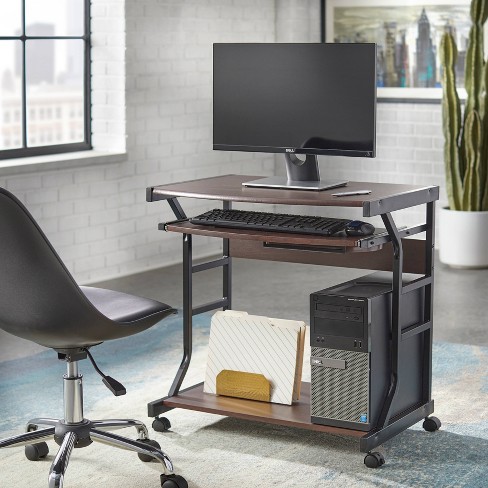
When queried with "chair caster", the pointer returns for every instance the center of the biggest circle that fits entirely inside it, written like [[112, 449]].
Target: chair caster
[[146, 458], [34, 452], [431, 424], [374, 460], [173, 481], [161, 424]]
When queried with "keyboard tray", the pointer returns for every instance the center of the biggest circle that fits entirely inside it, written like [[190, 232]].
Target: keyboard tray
[[351, 243]]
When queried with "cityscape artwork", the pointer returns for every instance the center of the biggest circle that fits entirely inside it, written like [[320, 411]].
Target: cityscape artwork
[[408, 35]]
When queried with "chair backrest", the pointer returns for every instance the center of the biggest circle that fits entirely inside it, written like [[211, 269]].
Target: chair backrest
[[39, 299]]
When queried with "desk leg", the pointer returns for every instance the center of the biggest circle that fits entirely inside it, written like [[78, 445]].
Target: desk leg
[[227, 268], [187, 315], [395, 317], [156, 407], [429, 300], [387, 428]]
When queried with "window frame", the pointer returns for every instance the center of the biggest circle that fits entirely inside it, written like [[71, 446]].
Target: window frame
[[26, 151]]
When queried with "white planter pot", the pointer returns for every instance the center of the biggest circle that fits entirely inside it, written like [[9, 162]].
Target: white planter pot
[[463, 238]]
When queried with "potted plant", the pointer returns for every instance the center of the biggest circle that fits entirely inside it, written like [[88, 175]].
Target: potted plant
[[463, 226]]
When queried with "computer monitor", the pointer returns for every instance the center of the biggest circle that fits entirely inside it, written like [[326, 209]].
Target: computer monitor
[[309, 99]]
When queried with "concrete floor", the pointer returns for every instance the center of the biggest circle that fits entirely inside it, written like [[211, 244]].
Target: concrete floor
[[282, 290]]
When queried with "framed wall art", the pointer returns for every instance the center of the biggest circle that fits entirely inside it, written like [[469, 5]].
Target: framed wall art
[[408, 35]]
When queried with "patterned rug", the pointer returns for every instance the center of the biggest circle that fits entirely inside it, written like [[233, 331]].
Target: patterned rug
[[218, 452]]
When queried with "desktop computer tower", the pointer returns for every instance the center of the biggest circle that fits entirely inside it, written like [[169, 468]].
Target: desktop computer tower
[[350, 336]]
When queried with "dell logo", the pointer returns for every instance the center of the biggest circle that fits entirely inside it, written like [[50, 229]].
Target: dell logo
[[290, 150]]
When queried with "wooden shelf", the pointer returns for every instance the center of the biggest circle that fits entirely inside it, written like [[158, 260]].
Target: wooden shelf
[[296, 415]]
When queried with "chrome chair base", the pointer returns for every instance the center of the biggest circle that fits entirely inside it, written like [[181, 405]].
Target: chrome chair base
[[81, 434], [74, 431]]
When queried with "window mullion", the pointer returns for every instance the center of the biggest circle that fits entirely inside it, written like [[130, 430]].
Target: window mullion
[[24, 82], [87, 74]]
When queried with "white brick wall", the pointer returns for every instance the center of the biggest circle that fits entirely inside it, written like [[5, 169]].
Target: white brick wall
[[409, 150], [108, 74], [160, 113], [297, 21]]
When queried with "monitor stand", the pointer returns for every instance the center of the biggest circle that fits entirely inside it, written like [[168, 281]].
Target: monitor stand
[[301, 175]]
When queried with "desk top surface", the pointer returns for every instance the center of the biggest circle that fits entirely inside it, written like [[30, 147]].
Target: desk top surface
[[384, 197]]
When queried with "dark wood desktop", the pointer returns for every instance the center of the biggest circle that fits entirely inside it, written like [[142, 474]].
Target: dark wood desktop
[[388, 250]]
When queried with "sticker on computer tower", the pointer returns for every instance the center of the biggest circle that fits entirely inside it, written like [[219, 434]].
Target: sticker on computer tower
[[363, 418]]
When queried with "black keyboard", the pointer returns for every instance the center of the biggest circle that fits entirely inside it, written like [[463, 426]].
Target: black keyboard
[[300, 224]]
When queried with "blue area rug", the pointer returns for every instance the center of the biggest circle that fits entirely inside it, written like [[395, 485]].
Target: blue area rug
[[213, 451]]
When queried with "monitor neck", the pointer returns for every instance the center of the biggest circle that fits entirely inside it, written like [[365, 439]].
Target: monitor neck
[[298, 170]]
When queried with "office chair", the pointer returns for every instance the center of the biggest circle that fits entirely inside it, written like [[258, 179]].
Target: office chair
[[41, 302]]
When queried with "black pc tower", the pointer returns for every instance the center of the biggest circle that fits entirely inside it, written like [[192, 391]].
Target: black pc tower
[[350, 336]]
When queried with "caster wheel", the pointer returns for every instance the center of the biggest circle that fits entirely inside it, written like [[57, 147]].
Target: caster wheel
[[34, 452], [374, 460], [173, 481], [161, 424], [431, 424], [146, 458]]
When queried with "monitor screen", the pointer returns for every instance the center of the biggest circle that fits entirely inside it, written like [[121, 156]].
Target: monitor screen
[[295, 98]]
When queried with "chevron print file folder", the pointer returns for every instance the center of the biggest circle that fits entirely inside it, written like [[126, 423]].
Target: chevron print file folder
[[256, 344]]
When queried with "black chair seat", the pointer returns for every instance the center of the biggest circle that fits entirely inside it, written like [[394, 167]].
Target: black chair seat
[[123, 308]]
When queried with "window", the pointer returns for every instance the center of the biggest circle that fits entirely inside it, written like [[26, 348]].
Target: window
[[44, 70]]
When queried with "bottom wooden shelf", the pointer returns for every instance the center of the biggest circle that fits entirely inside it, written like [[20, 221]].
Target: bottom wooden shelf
[[296, 415]]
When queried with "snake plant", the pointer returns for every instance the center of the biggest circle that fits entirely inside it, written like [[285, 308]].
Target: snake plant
[[466, 131]]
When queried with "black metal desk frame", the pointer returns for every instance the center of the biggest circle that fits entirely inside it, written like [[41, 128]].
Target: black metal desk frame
[[387, 426]]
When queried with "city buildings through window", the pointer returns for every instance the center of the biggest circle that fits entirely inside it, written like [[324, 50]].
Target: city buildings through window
[[44, 77]]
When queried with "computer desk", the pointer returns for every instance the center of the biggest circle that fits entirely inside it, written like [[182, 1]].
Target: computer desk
[[388, 251]]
